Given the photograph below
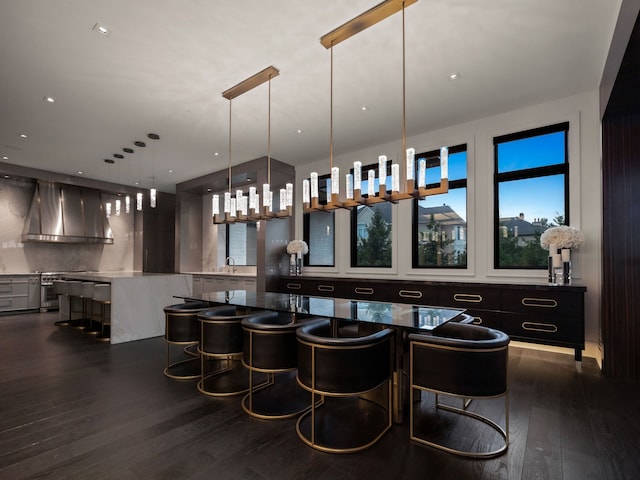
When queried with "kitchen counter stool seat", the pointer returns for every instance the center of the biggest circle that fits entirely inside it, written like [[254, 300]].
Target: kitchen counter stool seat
[[468, 362], [102, 297], [88, 292], [270, 350], [352, 378], [183, 329], [76, 319], [221, 345]]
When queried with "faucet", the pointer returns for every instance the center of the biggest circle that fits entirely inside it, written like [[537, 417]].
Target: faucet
[[230, 261]]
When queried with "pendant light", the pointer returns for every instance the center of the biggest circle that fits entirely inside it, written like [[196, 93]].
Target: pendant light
[[153, 192], [241, 208], [353, 182]]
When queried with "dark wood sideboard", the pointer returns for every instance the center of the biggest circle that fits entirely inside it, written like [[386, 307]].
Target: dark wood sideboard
[[551, 315]]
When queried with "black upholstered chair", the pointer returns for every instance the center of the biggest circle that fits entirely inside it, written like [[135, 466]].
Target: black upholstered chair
[[352, 379], [271, 355], [464, 361], [182, 328], [221, 343]]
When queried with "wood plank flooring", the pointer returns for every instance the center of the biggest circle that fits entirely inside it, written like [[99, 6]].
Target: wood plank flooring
[[73, 408]]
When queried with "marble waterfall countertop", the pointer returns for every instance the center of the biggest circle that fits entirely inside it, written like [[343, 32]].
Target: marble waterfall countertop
[[138, 300]]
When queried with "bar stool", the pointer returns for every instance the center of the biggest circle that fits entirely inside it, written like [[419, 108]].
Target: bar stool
[[88, 291], [102, 296], [270, 348], [61, 289], [182, 328], [221, 346], [75, 295]]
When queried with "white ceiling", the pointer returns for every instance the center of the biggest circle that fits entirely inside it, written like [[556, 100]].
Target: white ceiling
[[166, 63]]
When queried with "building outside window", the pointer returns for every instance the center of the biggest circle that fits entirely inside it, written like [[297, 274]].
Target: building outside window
[[531, 192], [440, 221]]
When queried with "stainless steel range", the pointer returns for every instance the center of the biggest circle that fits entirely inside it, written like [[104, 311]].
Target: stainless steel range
[[48, 298]]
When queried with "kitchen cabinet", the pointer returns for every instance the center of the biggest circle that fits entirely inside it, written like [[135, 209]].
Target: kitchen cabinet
[[19, 292]]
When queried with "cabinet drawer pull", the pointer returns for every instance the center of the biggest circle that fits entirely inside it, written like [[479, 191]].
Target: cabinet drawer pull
[[410, 293], [467, 297], [477, 321], [326, 288], [539, 327], [539, 302], [294, 286], [364, 290]]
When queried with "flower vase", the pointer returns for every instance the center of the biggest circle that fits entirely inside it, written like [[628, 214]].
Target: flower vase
[[566, 266], [299, 264], [292, 265]]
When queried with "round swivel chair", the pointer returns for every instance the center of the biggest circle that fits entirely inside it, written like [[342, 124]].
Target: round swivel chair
[[464, 361], [182, 328], [352, 376], [270, 351]]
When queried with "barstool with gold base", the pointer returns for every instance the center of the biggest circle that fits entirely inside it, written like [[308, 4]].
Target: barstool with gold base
[[352, 378], [270, 350], [182, 328], [221, 345]]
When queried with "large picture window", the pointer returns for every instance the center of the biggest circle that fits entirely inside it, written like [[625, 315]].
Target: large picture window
[[531, 192], [440, 221], [371, 228]]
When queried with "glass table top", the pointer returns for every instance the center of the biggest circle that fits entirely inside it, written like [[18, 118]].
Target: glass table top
[[419, 317]]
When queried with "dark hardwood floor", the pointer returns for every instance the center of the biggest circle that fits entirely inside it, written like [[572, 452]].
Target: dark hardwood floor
[[73, 408]]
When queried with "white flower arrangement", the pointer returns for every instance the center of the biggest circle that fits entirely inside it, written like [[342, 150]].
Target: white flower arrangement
[[299, 247], [562, 236]]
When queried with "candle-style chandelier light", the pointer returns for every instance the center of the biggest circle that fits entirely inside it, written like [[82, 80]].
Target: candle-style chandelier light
[[411, 187], [247, 208]]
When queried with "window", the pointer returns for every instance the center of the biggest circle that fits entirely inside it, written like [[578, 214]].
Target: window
[[241, 243], [319, 231], [440, 221], [531, 193], [371, 229]]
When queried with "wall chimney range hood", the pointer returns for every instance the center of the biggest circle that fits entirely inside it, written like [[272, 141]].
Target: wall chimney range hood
[[66, 214]]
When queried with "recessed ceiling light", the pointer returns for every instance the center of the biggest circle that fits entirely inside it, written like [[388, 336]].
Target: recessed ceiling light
[[101, 29], [364, 108], [170, 171], [299, 130], [7, 176], [454, 76], [109, 160], [23, 135], [208, 189], [216, 154], [49, 99], [79, 172], [5, 158], [136, 183]]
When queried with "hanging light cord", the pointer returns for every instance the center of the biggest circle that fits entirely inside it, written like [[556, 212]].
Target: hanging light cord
[[269, 135], [404, 101], [331, 112], [229, 145]]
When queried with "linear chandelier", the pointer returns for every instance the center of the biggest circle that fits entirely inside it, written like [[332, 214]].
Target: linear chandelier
[[248, 208], [353, 182]]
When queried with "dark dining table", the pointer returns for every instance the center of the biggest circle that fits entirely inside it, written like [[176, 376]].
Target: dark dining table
[[403, 318]]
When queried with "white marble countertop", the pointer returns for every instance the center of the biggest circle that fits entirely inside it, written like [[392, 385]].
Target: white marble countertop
[[224, 274], [109, 276]]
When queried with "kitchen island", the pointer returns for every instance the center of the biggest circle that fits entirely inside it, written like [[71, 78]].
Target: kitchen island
[[137, 300]]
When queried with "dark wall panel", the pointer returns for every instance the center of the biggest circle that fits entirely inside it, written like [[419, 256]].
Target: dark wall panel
[[621, 246]]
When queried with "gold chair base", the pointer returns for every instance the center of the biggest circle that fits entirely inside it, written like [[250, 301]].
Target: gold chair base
[[344, 425], [274, 400], [503, 432], [231, 378]]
